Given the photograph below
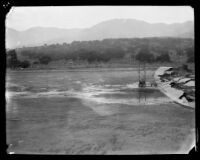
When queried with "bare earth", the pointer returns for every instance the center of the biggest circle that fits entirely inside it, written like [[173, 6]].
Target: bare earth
[[93, 113]]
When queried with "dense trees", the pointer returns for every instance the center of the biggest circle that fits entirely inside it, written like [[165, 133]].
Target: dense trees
[[145, 56], [44, 59], [190, 59], [142, 49], [12, 61], [190, 54], [24, 64], [163, 58]]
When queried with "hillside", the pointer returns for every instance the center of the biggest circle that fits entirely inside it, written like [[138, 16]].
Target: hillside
[[115, 28], [117, 52]]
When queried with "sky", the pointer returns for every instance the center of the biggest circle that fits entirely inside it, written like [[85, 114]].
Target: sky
[[22, 18]]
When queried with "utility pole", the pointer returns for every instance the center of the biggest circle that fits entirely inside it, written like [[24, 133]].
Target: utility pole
[[139, 71], [145, 72]]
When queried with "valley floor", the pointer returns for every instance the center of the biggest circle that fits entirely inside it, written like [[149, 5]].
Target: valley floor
[[62, 112]]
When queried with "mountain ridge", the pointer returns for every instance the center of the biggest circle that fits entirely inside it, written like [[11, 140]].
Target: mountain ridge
[[114, 28]]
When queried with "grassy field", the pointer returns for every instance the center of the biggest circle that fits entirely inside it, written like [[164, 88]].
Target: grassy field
[[92, 112]]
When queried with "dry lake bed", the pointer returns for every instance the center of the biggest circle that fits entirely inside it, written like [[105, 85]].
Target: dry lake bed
[[92, 112]]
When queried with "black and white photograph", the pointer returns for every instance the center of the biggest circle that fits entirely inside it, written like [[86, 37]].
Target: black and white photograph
[[100, 80]]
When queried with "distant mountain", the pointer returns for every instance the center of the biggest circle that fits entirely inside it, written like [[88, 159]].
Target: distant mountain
[[38, 36], [115, 28]]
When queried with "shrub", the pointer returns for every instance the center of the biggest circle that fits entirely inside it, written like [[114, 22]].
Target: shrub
[[45, 59], [185, 68], [190, 59], [145, 56], [35, 62], [12, 60], [190, 55], [24, 64], [163, 58]]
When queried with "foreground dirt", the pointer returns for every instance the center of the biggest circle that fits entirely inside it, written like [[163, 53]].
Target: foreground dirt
[[76, 129], [65, 124]]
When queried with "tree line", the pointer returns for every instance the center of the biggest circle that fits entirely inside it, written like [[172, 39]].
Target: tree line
[[148, 50]]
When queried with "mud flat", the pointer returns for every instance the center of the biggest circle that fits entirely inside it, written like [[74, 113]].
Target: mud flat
[[93, 113]]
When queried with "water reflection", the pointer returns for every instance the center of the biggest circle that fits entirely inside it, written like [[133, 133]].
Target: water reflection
[[108, 100], [98, 95]]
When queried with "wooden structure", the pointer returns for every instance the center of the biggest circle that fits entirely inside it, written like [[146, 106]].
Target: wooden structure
[[142, 79]]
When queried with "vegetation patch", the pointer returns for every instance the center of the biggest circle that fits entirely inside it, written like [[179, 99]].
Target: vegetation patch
[[105, 53]]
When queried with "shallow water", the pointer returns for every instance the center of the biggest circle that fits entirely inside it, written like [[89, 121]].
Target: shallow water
[[92, 113]]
